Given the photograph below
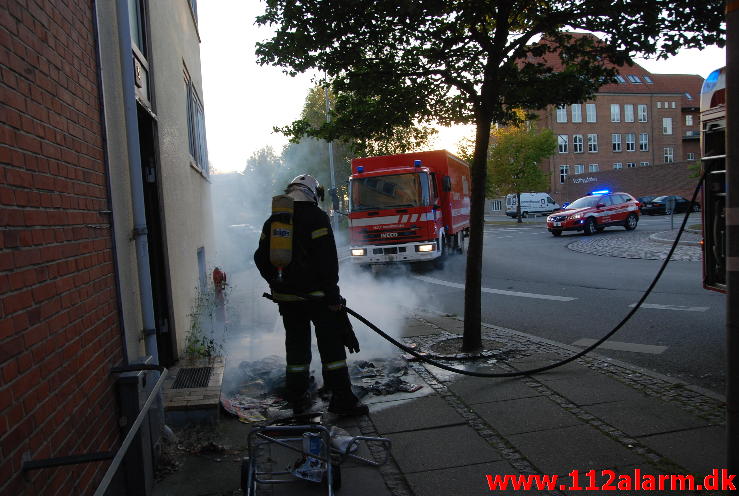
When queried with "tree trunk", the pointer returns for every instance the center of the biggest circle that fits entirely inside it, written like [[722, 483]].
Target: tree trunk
[[472, 337], [518, 207]]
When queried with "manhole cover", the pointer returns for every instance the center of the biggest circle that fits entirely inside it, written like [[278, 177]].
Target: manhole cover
[[453, 346], [196, 377]]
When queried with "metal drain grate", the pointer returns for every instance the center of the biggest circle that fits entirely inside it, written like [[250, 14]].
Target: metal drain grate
[[192, 378]]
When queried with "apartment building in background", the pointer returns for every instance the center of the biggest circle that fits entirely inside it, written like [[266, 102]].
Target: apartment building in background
[[103, 145], [639, 134]]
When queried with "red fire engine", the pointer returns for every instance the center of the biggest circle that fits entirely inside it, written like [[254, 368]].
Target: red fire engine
[[412, 207]]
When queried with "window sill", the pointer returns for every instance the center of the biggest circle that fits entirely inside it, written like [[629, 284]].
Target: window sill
[[199, 170]]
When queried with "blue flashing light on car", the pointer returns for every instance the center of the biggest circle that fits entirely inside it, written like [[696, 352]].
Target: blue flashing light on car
[[600, 192]]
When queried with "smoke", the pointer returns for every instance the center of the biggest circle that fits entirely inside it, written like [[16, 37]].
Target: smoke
[[253, 326]]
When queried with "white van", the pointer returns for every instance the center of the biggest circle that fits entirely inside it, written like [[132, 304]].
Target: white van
[[531, 203]]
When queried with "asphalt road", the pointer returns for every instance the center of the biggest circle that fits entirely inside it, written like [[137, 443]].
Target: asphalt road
[[533, 283]]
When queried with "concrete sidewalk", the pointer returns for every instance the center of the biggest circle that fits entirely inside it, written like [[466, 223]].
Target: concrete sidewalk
[[595, 413]]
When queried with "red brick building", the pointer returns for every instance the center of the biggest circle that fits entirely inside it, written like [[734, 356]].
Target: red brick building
[[633, 126], [59, 321]]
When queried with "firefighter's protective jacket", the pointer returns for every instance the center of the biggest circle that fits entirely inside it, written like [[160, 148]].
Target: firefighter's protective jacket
[[314, 266]]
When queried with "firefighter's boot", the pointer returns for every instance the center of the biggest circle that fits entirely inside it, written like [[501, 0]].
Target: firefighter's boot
[[343, 401], [297, 381]]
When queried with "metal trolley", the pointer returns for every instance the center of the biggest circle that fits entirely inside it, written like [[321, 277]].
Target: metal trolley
[[290, 437]]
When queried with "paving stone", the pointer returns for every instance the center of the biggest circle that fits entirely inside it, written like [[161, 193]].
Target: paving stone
[[439, 448], [467, 481], [579, 447], [643, 416], [589, 388], [422, 413], [475, 390], [525, 415], [697, 450]]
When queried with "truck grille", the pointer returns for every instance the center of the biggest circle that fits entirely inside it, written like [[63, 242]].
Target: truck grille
[[395, 236]]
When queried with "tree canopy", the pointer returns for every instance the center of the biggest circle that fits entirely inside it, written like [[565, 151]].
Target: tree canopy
[[396, 63]]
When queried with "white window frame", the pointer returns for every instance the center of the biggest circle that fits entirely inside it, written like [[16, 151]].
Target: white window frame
[[591, 114], [642, 112], [564, 171], [577, 143], [562, 143], [643, 164], [667, 126], [197, 143], [579, 169], [689, 120], [593, 168], [630, 142], [615, 112], [562, 113], [616, 142], [630, 165], [672, 104], [659, 105], [691, 155], [592, 143], [643, 142], [628, 112], [576, 109], [669, 154], [618, 166]]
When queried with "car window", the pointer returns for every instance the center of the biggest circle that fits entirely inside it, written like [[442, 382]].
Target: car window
[[626, 198], [585, 201], [608, 200], [660, 199]]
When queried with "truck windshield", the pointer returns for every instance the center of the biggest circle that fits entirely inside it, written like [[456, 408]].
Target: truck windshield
[[392, 191]]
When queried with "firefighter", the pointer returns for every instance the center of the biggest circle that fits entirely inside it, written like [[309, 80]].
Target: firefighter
[[306, 290]]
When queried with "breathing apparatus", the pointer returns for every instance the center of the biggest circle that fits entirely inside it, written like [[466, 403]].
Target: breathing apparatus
[[281, 233]]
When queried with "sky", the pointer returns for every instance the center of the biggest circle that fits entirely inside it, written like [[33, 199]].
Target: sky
[[244, 101]]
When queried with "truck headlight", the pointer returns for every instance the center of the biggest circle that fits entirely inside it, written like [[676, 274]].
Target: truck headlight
[[425, 248], [358, 252]]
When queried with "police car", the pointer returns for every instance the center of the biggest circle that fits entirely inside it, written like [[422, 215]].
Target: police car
[[595, 212]]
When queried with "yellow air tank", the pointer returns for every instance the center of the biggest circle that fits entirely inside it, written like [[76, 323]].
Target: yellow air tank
[[281, 233]]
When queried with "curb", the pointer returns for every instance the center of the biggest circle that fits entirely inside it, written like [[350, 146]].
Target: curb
[[655, 237]]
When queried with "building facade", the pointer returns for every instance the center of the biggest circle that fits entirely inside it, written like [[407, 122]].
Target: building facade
[[80, 133]]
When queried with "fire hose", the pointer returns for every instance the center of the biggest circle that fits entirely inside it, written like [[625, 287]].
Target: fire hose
[[434, 360]]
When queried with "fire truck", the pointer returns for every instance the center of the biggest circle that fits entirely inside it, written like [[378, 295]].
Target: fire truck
[[713, 160], [412, 207]]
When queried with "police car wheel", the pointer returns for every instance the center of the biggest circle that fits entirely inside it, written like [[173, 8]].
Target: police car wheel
[[631, 222], [589, 226]]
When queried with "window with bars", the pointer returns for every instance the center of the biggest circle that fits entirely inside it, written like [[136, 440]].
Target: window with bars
[[196, 125]]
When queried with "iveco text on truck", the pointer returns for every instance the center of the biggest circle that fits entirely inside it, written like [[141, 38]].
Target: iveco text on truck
[[412, 207]]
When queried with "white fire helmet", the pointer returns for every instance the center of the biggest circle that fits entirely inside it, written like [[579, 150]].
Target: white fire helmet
[[310, 183]]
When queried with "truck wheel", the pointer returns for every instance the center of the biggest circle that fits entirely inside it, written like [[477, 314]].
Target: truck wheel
[[589, 226], [459, 243], [439, 261]]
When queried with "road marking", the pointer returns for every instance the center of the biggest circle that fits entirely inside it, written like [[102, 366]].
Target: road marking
[[619, 346], [496, 291], [671, 307]]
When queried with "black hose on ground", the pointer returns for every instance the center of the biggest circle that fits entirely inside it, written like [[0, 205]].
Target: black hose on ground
[[434, 361]]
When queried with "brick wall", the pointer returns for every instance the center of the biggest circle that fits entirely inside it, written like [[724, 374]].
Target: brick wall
[[59, 329], [662, 179]]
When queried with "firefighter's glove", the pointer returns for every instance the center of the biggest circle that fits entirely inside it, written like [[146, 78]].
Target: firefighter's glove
[[347, 331]]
